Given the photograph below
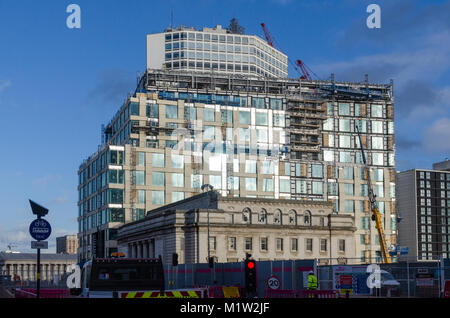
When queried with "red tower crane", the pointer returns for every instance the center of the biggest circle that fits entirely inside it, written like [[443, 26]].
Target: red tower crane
[[298, 65], [267, 34]]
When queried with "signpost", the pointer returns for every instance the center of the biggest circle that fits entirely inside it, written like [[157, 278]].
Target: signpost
[[39, 244], [40, 230], [273, 282]]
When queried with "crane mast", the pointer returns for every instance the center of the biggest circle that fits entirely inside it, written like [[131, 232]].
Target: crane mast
[[376, 216]]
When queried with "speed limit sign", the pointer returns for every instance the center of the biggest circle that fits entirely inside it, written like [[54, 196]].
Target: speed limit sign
[[273, 282]]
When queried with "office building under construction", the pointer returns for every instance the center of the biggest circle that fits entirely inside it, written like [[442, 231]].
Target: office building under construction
[[244, 128]]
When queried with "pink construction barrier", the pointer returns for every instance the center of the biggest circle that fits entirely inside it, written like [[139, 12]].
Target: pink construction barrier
[[274, 293], [44, 293], [318, 294]]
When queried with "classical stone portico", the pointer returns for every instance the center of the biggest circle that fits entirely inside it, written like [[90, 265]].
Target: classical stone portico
[[22, 266]]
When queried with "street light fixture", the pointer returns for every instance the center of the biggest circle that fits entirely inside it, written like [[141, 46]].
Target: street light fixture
[[209, 188]]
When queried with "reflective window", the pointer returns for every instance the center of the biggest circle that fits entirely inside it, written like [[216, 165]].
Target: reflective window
[[177, 161], [158, 178], [158, 197], [250, 184], [177, 180], [158, 160], [261, 119], [250, 166], [244, 118], [215, 181], [268, 184], [209, 114], [344, 109], [171, 111]]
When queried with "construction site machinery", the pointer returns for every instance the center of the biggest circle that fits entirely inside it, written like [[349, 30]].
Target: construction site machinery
[[376, 216]]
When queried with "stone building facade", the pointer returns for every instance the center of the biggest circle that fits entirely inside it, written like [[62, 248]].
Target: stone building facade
[[22, 266], [268, 229]]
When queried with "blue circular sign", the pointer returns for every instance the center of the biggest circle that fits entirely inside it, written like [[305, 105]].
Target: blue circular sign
[[40, 229]]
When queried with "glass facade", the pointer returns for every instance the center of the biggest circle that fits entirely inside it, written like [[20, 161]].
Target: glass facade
[[202, 50]]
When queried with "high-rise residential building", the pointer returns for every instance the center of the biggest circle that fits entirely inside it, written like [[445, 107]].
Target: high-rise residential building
[[247, 135], [423, 198], [67, 244]]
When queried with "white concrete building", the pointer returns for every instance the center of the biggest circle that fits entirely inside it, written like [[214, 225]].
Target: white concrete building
[[215, 50]]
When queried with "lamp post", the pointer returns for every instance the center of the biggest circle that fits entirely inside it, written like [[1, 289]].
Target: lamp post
[[209, 188]]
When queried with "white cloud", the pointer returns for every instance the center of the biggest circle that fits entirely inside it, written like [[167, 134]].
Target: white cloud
[[45, 180], [436, 136], [20, 239], [4, 84]]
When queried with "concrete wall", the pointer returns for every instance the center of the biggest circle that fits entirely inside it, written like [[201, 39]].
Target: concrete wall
[[406, 193], [155, 51]]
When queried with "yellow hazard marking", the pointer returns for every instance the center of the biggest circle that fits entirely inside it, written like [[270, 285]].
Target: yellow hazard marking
[[230, 292], [131, 295]]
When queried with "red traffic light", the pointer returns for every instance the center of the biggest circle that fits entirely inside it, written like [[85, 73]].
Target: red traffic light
[[251, 265]]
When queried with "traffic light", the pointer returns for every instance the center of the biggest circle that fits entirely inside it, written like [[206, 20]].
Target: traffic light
[[174, 259], [250, 276]]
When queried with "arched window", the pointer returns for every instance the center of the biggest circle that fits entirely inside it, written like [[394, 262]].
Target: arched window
[[262, 216], [307, 218], [292, 217], [277, 217], [247, 216]]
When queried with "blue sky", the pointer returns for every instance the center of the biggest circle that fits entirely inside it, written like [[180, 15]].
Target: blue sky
[[58, 85]]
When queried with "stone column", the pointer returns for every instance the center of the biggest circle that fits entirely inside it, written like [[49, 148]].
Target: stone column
[[45, 270], [134, 250], [145, 248], [141, 250], [25, 272]]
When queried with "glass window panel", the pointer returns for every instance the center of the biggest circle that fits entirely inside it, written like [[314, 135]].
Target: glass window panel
[[377, 143], [158, 160], [348, 173], [279, 120], [377, 159], [196, 181], [261, 135], [344, 141], [344, 109], [177, 161], [250, 166], [138, 177], [261, 119], [377, 127], [258, 102], [209, 114], [317, 187], [250, 184], [177, 180], [285, 185], [316, 171], [267, 185], [157, 197], [344, 124], [376, 110], [244, 118], [276, 103], [215, 181], [158, 178], [171, 111]]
